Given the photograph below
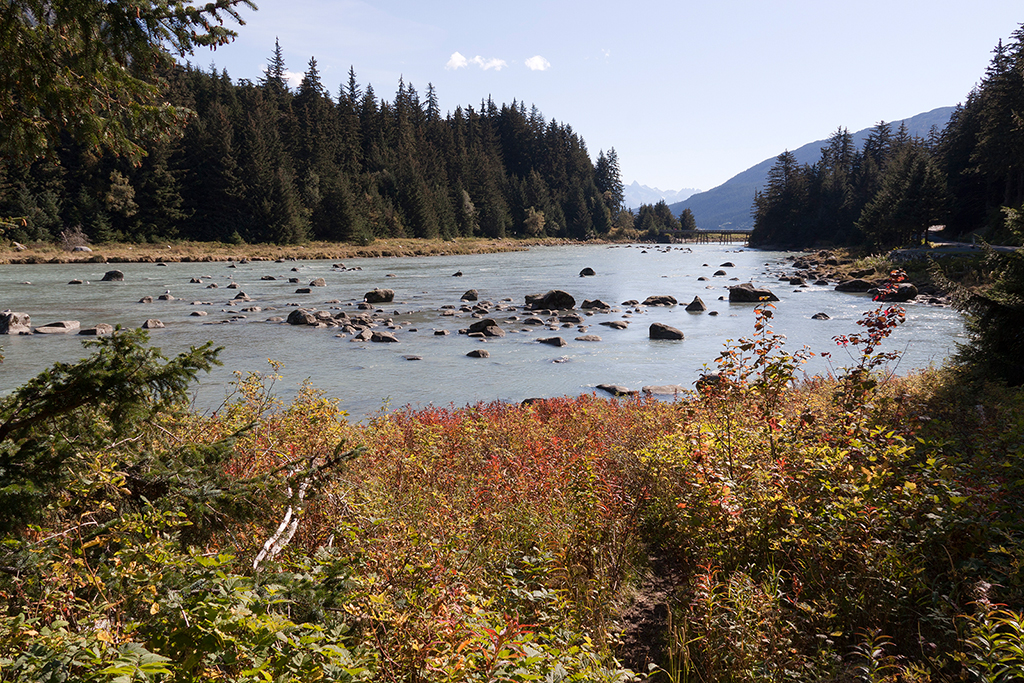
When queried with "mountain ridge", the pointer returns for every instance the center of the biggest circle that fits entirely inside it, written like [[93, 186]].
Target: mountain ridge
[[729, 205], [636, 194]]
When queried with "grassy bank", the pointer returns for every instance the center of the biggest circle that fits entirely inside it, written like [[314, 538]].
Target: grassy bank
[[215, 251], [853, 527]]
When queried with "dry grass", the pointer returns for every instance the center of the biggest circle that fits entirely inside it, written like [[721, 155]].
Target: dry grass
[[215, 251]]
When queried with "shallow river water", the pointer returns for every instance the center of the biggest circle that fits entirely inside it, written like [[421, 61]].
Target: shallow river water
[[369, 376]]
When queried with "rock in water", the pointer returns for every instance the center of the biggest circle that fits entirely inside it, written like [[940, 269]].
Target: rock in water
[[856, 285], [15, 323], [748, 293], [98, 330], [663, 331], [554, 300], [553, 341], [379, 296], [697, 305], [59, 327]]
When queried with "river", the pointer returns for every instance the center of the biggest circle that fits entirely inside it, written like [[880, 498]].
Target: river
[[367, 377]]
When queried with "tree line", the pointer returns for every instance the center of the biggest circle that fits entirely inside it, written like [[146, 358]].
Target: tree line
[[264, 162], [892, 189]]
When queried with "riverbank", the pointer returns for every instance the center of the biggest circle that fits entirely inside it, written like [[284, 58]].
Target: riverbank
[[748, 526], [206, 252]]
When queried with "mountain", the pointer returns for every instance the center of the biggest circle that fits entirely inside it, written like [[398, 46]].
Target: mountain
[[729, 205], [637, 194]]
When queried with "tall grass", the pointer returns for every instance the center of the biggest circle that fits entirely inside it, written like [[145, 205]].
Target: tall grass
[[852, 527]]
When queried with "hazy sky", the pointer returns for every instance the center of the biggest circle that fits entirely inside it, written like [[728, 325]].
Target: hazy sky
[[688, 93]]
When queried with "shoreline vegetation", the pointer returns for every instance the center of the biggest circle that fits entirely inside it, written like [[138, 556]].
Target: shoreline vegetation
[[762, 527], [201, 252], [856, 526]]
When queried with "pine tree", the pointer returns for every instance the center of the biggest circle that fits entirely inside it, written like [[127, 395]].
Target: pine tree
[[686, 220], [911, 199], [608, 179], [780, 209], [93, 70], [274, 75]]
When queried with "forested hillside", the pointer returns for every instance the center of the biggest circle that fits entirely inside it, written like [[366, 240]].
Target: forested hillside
[[261, 162], [728, 205], [890, 190]]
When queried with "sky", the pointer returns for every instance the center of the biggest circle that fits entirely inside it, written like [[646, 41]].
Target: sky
[[688, 92]]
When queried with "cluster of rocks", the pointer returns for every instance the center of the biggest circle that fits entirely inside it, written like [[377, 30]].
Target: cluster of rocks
[[14, 322], [825, 268]]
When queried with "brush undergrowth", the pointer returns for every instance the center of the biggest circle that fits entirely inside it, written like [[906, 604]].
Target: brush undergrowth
[[858, 526]]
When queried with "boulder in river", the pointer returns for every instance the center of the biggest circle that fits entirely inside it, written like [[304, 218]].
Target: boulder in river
[[554, 300], [553, 341], [748, 293], [697, 305], [59, 327], [664, 390], [98, 330], [855, 285], [483, 325], [379, 296], [113, 276], [663, 331], [617, 390], [587, 272], [479, 353], [301, 316], [470, 295], [153, 324], [660, 300], [905, 291], [15, 323]]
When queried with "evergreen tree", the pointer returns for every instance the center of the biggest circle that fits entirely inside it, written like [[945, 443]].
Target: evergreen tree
[[275, 74], [686, 220], [92, 70], [836, 208], [608, 179], [158, 197], [212, 188], [994, 315], [911, 199], [780, 208]]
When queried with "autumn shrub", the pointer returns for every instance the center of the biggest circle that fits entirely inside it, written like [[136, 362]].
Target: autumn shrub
[[857, 525]]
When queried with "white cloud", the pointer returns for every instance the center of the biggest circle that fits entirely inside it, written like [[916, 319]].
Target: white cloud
[[457, 61], [538, 63], [486, 64], [293, 78]]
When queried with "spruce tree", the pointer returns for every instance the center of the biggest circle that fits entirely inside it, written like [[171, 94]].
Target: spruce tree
[[912, 198], [92, 70]]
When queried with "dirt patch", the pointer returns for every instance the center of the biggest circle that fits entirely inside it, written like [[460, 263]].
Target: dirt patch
[[645, 621]]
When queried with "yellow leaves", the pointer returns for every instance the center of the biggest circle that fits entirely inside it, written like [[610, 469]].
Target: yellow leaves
[[154, 608]]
